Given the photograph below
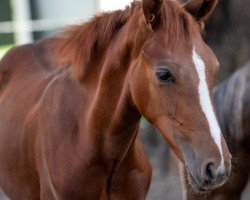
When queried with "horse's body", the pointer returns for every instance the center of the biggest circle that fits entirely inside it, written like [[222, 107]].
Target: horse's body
[[232, 103], [32, 120], [70, 106]]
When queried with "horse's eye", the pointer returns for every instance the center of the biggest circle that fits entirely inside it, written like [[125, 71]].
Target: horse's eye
[[164, 75]]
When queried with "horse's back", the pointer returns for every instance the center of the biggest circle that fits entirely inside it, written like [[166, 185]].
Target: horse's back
[[39, 54], [246, 105], [232, 99]]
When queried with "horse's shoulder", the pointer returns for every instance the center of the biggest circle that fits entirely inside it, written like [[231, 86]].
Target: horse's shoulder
[[60, 100]]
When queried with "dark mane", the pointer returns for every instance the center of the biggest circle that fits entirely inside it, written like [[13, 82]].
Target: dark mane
[[77, 45]]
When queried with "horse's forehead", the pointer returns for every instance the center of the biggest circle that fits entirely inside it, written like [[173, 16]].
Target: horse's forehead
[[207, 55], [181, 52]]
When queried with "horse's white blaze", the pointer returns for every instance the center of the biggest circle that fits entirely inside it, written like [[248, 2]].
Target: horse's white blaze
[[206, 105]]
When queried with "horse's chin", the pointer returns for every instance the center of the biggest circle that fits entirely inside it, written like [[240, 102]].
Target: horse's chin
[[199, 188], [195, 184]]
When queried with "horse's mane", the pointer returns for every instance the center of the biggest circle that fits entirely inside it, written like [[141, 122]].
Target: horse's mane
[[77, 45]]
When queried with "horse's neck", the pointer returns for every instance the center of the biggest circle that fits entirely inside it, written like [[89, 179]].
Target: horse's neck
[[112, 119]]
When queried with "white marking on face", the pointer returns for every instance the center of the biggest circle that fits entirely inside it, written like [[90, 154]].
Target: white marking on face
[[206, 105]]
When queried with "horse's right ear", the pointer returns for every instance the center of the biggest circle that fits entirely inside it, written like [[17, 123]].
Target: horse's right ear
[[151, 10], [200, 9]]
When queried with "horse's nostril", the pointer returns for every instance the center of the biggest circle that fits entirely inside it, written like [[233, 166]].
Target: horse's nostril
[[208, 172], [213, 174]]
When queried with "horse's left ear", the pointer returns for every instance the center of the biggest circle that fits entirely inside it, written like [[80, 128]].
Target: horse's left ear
[[151, 10], [200, 9]]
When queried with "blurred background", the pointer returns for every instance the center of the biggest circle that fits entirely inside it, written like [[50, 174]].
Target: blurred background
[[227, 32]]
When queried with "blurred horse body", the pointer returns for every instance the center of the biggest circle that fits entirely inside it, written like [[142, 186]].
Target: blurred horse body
[[70, 106], [232, 104]]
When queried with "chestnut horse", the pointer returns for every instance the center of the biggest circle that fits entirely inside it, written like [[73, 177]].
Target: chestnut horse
[[70, 106], [232, 100]]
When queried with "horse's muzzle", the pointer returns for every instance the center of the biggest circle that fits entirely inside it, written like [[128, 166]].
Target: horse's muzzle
[[210, 177]]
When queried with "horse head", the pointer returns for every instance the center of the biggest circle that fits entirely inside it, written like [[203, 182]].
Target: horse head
[[171, 83]]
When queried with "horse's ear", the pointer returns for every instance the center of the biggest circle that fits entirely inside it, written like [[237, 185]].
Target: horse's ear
[[151, 10], [200, 9]]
